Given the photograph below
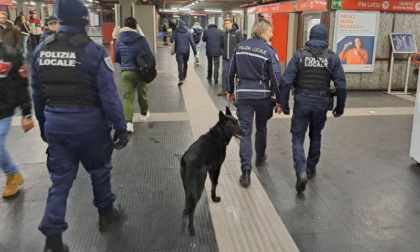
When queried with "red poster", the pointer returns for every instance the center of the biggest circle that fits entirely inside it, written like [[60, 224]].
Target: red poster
[[382, 5]]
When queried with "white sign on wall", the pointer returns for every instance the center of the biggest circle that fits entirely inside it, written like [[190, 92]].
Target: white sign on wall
[[355, 37]]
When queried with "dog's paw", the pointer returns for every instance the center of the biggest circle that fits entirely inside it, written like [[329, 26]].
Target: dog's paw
[[216, 198]]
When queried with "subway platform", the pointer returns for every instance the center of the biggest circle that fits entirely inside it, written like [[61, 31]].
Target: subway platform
[[365, 197]]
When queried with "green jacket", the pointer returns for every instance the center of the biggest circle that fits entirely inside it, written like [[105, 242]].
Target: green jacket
[[10, 35]]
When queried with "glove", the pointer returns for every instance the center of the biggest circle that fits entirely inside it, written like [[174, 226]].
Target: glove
[[338, 111], [341, 101], [286, 109], [122, 138]]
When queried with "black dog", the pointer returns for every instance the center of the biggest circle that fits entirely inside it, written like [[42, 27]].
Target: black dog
[[206, 155]]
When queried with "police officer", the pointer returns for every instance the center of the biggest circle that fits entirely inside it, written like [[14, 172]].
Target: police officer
[[310, 71], [255, 63], [76, 104]]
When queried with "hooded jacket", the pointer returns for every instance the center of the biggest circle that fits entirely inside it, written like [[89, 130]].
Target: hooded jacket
[[183, 39], [214, 41], [129, 44]]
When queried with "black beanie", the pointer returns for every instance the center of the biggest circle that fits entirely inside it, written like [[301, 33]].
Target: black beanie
[[319, 31], [71, 12]]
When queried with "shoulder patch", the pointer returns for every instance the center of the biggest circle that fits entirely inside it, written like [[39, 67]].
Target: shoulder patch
[[108, 62]]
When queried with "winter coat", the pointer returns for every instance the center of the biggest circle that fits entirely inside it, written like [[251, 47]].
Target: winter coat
[[230, 39], [129, 44], [13, 87], [93, 61], [214, 41], [11, 36], [36, 26], [183, 39]]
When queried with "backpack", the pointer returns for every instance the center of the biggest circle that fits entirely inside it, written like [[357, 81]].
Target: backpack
[[146, 67], [196, 37]]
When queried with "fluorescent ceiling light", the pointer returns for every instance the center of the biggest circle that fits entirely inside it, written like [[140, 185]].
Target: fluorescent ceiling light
[[218, 11]]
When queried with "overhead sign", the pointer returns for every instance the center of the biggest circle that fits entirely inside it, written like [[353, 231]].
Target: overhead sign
[[403, 43], [378, 5], [292, 6], [355, 38]]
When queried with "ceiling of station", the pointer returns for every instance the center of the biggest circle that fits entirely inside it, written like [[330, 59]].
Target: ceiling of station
[[195, 5]]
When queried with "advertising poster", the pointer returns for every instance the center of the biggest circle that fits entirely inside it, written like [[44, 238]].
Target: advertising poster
[[355, 39], [403, 43]]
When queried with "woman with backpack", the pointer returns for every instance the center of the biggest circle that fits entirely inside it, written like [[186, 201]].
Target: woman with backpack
[[197, 32], [129, 44]]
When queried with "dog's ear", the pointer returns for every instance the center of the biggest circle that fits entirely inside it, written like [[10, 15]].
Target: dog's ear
[[222, 117], [228, 111]]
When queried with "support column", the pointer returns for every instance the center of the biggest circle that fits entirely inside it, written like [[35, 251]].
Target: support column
[[40, 12], [125, 10], [19, 8], [145, 16]]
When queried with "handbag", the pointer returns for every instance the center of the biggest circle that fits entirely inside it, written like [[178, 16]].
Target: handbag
[[173, 48]]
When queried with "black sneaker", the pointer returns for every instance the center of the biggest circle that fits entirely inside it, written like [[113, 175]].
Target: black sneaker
[[245, 178], [216, 82], [310, 173], [261, 161], [301, 179], [180, 82], [107, 220], [55, 244]]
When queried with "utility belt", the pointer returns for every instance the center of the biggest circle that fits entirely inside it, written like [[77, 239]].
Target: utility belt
[[255, 81], [322, 93], [73, 103]]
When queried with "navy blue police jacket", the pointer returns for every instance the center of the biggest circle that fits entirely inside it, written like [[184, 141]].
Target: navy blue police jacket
[[45, 34], [291, 75], [255, 64], [76, 120]]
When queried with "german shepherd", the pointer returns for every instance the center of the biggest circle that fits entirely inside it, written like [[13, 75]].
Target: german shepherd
[[206, 155]]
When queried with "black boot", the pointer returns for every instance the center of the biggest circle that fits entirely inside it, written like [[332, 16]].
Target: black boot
[[108, 219], [245, 178], [260, 161], [55, 244], [301, 181]]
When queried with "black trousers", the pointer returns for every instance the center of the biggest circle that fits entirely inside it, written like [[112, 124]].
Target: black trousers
[[213, 61]]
